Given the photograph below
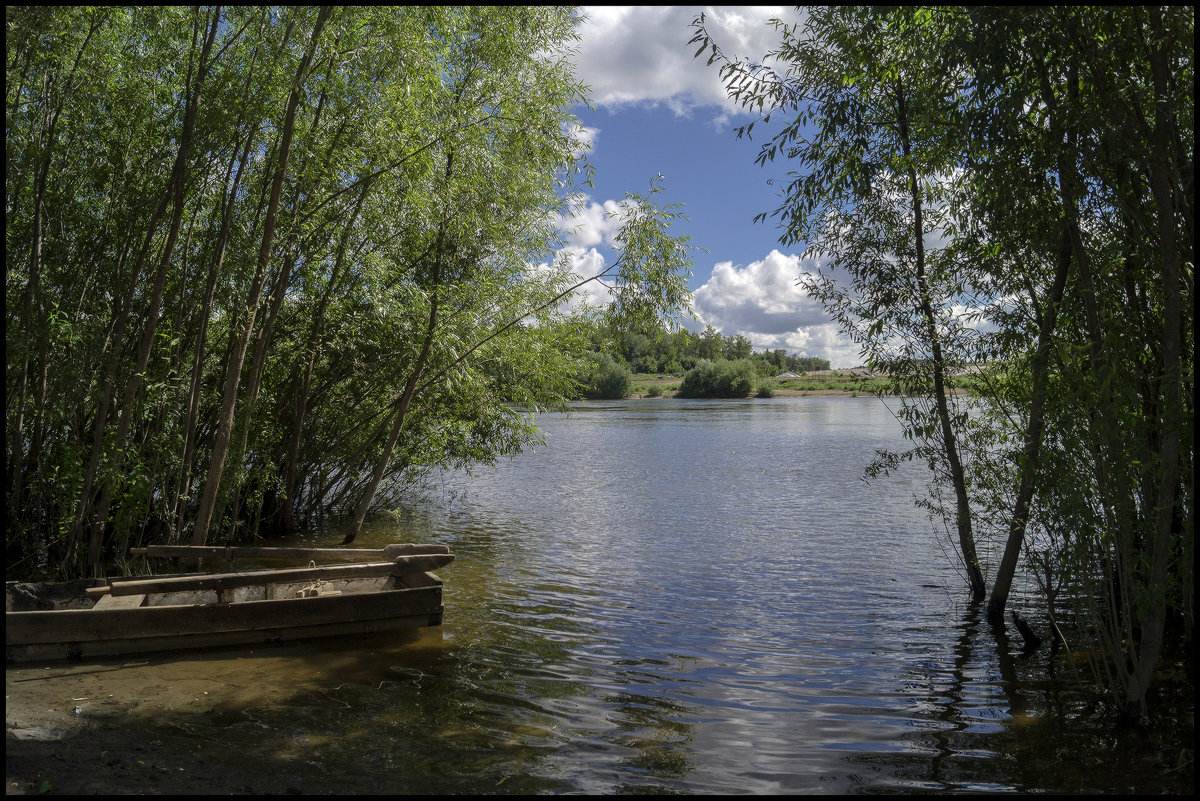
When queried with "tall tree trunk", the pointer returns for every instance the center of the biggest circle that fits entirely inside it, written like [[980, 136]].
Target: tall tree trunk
[[108, 390], [258, 361], [208, 497], [1154, 621], [410, 389], [1121, 617], [192, 414], [33, 304], [1031, 455], [414, 378], [146, 343], [300, 405], [966, 536]]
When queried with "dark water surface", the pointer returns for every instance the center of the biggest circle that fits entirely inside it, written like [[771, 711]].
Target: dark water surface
[[671, 596]]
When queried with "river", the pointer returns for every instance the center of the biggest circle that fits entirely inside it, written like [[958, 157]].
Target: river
[[669, 596]]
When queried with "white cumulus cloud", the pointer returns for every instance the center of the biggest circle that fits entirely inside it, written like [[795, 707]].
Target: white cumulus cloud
[[640, 54], [587, 229], [591, 224], [585, 263], [764, 302]]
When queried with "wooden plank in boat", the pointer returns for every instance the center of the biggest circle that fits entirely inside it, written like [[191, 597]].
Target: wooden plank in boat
[[114, 646], [120, 602], [417, 563], [246, 552]]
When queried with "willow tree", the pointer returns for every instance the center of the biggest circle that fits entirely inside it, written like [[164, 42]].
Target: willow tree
[[1113, 89], [1048, 152], [267, 263]]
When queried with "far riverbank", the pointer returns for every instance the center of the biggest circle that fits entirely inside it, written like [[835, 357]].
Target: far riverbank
[[805, 393], [848, 383], [782, 393]]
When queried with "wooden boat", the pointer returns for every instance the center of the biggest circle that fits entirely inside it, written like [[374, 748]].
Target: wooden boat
[[149, 614]]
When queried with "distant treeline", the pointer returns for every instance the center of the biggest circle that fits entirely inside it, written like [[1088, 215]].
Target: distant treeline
[[679, 351], [711, 364]]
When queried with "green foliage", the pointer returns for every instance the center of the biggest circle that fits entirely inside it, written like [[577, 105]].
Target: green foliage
[[604, 378], [266, 263], [719, 379], [1013, 187], [653, 350], [652, 271]]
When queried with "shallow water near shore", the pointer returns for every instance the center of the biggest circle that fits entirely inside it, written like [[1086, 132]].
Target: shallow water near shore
[[670, 596]]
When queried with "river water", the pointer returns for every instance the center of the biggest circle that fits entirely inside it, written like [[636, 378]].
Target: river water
[[669, 596]]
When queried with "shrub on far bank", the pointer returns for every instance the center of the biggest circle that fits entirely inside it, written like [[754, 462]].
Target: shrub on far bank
[[604, 378], [719, 379]]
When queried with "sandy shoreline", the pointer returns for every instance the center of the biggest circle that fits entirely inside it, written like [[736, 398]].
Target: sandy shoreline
[[115, 729], [195, 723]]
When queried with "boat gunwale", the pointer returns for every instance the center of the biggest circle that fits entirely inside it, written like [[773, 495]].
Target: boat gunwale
[[408, 601]]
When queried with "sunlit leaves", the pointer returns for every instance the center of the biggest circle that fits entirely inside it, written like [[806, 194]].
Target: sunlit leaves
[[653, 266], [373, 229]]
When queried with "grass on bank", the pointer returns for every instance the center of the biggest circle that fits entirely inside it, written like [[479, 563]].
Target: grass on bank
[[666, 385]]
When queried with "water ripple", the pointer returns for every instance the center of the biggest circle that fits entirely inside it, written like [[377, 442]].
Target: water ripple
[[703, 597]]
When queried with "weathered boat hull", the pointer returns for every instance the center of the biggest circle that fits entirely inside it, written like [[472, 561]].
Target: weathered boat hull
[[169, 622]]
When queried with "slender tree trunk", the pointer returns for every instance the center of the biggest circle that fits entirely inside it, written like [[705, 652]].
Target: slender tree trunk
[[208, 497], [410, 388], [1108, 446], [966, 536], [1033, 443], [1122, 617], [145, 345], [300, 405], [108, 389], [414, 377], [33, 304], [192, 416], [254, 378], [34, 314], [1154, 622]]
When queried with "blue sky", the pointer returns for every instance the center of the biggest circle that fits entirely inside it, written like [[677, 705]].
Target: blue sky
[[658, 110]]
